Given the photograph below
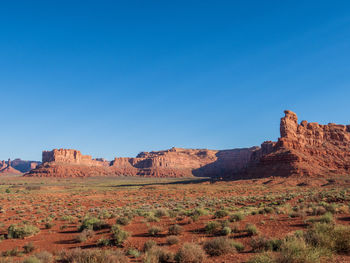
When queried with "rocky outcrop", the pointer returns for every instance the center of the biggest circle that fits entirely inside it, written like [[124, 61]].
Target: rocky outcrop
[[24, 166], [7, 169], [68, 156], [175, 162], [304, 149], [18, 165]]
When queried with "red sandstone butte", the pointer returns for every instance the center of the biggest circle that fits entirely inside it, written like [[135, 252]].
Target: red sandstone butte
[[7, 169], [175, 162], [303, 149]]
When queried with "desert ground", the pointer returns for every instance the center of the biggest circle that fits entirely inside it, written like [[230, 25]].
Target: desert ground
[[137, 219]]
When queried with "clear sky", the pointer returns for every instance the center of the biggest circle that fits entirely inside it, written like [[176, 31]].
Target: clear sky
[[113, 78]]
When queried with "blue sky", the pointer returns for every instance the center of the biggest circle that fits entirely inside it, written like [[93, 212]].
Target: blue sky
[[113, 78]]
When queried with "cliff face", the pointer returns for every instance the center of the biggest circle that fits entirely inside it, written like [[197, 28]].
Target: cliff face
[[305, 149], [7, 169], [175, 162], [68, 156], [24, 166]]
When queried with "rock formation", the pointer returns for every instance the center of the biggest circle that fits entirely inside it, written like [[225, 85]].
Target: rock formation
[[24, 166], [17, 166], [303, 149], [175, 162], [7, 169]]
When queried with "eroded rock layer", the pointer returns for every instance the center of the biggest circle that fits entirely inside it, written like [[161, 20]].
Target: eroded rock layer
[[7, 169], [175, 162], [304, 149]]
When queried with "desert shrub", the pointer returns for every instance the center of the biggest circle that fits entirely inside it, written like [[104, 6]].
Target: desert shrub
[[190, 253], [268, 210], [16, 231], [238, 246], [92, 223], [342, 239], [175, 230], [85, 235], [330, 237], [199, 212], [212, 227], [218, 246], [152, 218], [148, 245], [49, 225], [260, 244], [160, 213], [27, 248], [226, 231], [251, 229], [236, 217], [154, 230], [44, 257], [123, 221], [262, 258], [31, 259], [133, 253], [295, 250], [326, 218], [119, 235], [70, 219], [103, 242], [78, 255], [158, 255], [220, 214], [11, 253], [172, 240], [319, 235]]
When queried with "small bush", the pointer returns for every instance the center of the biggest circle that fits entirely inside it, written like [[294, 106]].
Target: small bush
[[295, 250], [212, 227], [119, 235], [175, 230], [148, 245], [78, 255], [251, 229], [11, 253], [85, 235], [158, 255], [103, 242], [133, 253], [160, 213], [220, 214], [154, 231], [226, 231], [15, 231], [326, 218], [263, 258], [172, 240], [49, 225], [123, 221], [190, 253], [44, 257], [92, 223], [32, 259], [236, 217], [238, 246], [261, 244], [28, 248], [218, 246]]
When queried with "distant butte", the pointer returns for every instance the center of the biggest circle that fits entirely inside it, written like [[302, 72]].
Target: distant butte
[[304, 149]]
